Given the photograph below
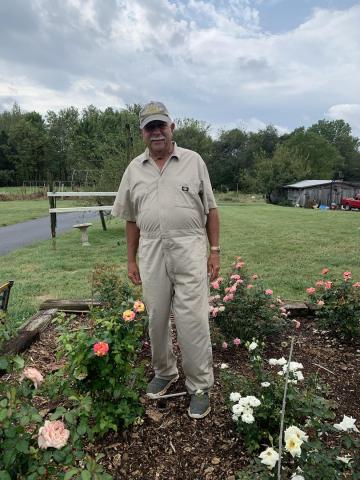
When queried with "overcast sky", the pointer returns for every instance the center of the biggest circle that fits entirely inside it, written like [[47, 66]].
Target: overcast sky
[[231, 63]]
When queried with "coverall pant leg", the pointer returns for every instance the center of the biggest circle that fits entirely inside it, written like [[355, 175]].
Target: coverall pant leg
[[174, 273], [157, 293]]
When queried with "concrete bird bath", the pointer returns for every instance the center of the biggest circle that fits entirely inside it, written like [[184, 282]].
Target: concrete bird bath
[[83, 227]]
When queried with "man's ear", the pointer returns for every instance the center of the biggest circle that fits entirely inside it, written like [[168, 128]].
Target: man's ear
[[172, 126]]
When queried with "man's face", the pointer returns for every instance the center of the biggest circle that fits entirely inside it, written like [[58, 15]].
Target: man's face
[[157, 135]]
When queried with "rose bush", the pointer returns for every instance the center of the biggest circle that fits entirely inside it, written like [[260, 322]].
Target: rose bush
[[337, 305], [243, 308], [29, 447], [101, 358], [256, 406]]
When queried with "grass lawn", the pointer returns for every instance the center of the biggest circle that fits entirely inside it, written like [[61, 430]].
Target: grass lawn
[[16, 211], [286, 247]]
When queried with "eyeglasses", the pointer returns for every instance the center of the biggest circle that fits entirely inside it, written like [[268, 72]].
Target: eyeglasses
[[155, 125]]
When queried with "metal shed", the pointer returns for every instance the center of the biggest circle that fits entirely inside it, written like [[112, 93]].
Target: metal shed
[[320, 192]]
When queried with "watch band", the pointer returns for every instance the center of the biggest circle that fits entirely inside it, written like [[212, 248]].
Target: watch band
[[215, 249]]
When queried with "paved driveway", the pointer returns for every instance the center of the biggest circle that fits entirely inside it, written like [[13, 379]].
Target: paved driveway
[[25, 233]]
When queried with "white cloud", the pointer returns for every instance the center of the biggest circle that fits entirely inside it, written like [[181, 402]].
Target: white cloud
[[348, 112], [205, 59]]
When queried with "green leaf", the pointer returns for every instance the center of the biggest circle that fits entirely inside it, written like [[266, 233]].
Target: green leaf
[[19, 362], [3, 363], [71, 473], [22, 446], [85, 475], [4, 475], [3, 414]]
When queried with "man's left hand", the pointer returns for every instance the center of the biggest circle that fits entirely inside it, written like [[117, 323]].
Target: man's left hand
[[213, 266]]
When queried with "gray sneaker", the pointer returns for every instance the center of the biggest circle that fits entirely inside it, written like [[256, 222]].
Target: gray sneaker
[[159, 386], [199, 405]]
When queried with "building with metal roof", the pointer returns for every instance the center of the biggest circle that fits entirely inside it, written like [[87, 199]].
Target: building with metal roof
[[309, 193]]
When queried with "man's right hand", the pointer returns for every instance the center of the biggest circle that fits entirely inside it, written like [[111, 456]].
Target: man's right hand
[[133, 273]]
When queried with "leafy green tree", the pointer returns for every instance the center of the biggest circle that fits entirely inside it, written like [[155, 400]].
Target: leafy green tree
[[288, 165], [229, 156], [322, 159], [195, 135], [338, 133], [27, 140], [62, 131]]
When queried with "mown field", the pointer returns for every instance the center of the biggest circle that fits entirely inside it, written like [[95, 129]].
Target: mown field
[[286, 247]]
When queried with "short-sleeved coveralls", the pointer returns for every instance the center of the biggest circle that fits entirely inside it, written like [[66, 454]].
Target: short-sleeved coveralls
[[170, 208]]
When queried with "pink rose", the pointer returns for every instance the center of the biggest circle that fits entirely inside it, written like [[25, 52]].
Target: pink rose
[[250, 286], [235, 277], [227, 289], [214, 312], [240, 265], [297, 323], [310, 291], [215, 285], [239, 282], [237, 341], [224, 345], [319, 283], [53, 435], [346, 275], [268, 291], [324, 271], [328, 285], [320, 303], [232, 289], [272, 306], [357, 284], [34, 375]]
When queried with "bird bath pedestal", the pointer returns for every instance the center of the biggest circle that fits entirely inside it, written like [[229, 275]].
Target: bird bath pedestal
[[84, 233]]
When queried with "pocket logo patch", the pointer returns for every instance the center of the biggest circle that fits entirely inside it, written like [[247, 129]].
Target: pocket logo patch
[[185, 189]]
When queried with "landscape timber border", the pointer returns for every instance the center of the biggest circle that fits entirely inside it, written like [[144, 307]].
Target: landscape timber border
[[31, 329], [53, 210]]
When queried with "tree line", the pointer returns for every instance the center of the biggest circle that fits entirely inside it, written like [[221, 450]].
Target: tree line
[[71, 146]]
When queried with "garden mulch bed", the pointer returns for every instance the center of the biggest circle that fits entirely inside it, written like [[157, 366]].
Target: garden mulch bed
[[171, 446]]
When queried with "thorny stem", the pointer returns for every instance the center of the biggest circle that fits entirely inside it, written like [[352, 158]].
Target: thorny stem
[[283, 407]]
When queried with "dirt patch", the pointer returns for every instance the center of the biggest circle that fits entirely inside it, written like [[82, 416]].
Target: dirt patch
[[171, 446]]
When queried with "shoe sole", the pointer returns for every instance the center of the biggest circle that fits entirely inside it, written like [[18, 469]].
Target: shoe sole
[[154, 396], [198, 415]]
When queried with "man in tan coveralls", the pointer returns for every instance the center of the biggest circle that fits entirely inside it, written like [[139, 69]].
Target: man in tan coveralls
[[166, 198]]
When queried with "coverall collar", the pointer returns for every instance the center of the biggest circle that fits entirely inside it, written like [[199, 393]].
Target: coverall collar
[[146, 155]]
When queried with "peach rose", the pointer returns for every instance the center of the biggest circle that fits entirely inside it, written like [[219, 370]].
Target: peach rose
[[53, 435], [139, 306], [34, 375], [101, 348], [128, 315]]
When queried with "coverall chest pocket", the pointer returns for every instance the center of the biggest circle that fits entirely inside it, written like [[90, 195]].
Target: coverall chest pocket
[[186, 195], [147, 197]]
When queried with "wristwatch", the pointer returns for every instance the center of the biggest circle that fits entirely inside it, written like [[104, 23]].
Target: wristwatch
[[215, 249]]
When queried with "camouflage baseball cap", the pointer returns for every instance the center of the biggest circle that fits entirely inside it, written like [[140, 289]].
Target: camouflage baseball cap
[[153, 111]]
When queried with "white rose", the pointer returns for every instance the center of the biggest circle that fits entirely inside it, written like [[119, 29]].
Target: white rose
[[237, 409], [269, 457], [235, 396], [247, 418]]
